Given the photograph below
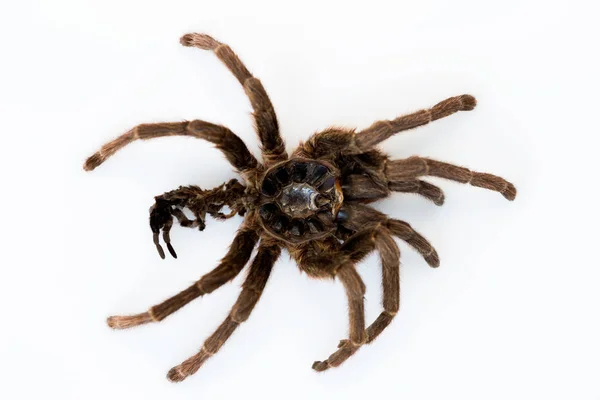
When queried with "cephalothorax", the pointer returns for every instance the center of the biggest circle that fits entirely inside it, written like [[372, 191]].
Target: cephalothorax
[[312, 203], [300, 200]]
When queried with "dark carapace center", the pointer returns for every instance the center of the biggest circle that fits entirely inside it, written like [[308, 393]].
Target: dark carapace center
[[300, 199]]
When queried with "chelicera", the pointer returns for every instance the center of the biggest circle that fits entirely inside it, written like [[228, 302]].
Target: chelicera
[[313, 204]]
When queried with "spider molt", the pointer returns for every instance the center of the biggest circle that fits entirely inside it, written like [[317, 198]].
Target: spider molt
[[313, 203]]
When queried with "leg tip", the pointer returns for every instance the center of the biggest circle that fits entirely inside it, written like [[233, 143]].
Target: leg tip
[[161, 252], [171, 250], [440, 200], [128, 321], [468, 102], [175, 375], [199, 40], [433, 259], [431, 192], [92, 162], [187, 41], [320, 366], [510, 193], [113, 322]]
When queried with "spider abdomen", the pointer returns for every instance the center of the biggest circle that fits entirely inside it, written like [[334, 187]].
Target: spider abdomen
[[300, 199]]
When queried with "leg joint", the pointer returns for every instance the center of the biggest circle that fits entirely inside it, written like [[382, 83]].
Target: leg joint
[[204, 349], [152, 316]]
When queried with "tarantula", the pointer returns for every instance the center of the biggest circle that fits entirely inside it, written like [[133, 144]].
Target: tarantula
[[312, 203]]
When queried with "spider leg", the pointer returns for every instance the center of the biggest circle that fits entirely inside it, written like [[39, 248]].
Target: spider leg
[[389, 253], [414, 239], [354, 250], [185, 221], [225, 140], [367, 188], [382, 130], [327, 143], [419, 187], [355, 290], [230, 266], [358, 217], [390, 263], [199, 201], [273, 147], [255, 282], [166, 229], [414, 167], [320, 263]]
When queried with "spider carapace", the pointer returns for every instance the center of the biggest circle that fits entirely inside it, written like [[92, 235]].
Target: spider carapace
[[300, 200], [313, 203]]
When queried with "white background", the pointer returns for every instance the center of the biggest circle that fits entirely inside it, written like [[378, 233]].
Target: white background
[[511, 313]]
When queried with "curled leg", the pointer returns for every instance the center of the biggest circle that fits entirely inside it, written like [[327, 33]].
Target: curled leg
[[200, 202], [161, 218], [405, 232], [355, 290], [273, 147], [366, 189], [419, 187], [253, 287], [233, 262], [186, 222], [359, 217], [228, 142], [414, 167]]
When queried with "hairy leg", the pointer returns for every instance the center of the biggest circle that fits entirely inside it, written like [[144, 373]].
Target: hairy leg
[[352, 252], [405, 232], [340, 140], [382, 241], [359, 217], [382, 130], [414, 167], [364, 188], [253, 287], [225, 140], [267, 126], [231, 265], [368, 188], [340, 264], [199, 202], [390, 264], [419, 187], [355, 290]]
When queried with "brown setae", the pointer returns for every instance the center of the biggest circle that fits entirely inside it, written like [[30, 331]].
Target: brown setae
[[313, 203]]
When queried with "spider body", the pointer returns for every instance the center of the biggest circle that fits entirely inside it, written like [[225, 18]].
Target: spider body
[[313, 203], [300, 200]]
